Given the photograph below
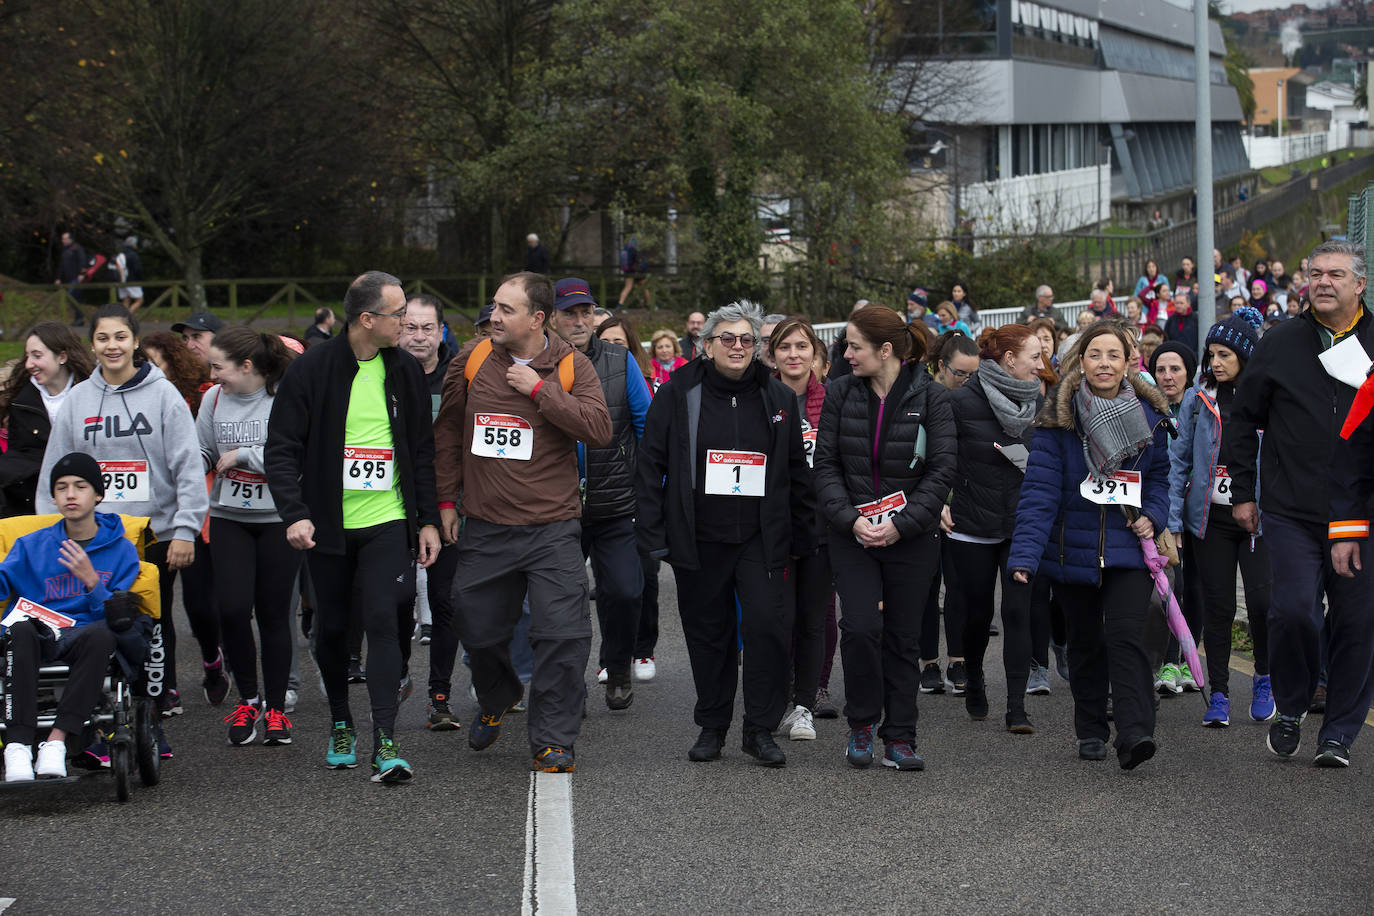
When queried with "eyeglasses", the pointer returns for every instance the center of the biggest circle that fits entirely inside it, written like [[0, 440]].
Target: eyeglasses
[[425, 329], [397, 314], [957, 373], [728, 340]]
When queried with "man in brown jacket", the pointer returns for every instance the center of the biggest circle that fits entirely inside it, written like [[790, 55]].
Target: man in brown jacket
[[506, 442]]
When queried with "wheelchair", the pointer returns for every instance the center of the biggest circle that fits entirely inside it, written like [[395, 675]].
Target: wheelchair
[[125, 724]]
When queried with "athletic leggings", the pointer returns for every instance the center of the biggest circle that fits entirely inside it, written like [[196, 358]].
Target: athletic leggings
[[260, 575], [198, 596], [1214, 558], [971, 574], [809, 590]]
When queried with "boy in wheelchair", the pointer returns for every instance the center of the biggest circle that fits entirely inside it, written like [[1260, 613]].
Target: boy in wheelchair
[[72, 567]]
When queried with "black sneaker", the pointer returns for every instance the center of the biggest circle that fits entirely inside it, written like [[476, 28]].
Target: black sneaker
[[1133, 753], [278, 728], [1092, 749], [931, 679], [619, 692], [440, 717], [356, 674], [976, 700], [1331, 753], [216, 683], [243, 723], [1285, 735], [708, 746], [761, 746], [956, 678], [426, 634]]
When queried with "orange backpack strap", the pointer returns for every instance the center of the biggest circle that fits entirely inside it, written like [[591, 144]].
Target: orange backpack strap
[[565, 372], [480, 353], [478, 356]]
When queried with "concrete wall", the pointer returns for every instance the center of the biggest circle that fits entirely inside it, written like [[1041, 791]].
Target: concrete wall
[[1053, 202], [1269, 151]]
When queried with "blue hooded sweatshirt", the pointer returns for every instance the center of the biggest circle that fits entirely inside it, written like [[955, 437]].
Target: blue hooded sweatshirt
[[32, 569]]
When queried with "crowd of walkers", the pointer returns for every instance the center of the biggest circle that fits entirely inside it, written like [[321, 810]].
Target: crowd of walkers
[[1086, 493]]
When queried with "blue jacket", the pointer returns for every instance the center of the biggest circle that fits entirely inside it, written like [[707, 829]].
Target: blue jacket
[[1073, 538], [1193, 462], [32, 569]]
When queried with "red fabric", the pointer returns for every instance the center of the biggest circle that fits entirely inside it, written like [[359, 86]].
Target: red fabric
[[1364, 402], [815, 399]]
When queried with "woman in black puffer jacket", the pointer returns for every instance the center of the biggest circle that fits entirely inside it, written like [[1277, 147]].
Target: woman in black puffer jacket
[[885, 458], [993, 413]]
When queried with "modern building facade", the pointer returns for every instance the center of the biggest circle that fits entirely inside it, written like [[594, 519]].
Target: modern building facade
[[1077, 110]]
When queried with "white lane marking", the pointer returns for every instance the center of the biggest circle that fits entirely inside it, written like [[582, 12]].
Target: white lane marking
[[7, 902], [550, 885]]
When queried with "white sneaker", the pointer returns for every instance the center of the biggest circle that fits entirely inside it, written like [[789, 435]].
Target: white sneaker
[[644, 669], [292, 696], [601, 675], [789, 719], [18, 763], [52, 760], [803, 727]]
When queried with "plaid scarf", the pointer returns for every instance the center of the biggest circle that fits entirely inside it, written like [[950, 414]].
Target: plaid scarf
[[1114, 429]]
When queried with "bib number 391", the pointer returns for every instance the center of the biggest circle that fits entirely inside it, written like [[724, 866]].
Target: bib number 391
[[499, 435], [735, 473], [368, 469], [126, 481], [1120, 489]]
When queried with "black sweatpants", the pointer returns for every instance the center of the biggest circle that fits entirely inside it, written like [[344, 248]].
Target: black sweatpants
[[263, 577], [1107, 651], [1215, 558], [972, 571], [810, 588], [706, 601], [443, 645], [647, 636], [619, 589], [882, 593], [85, 650], [372, 572], [198, 597]]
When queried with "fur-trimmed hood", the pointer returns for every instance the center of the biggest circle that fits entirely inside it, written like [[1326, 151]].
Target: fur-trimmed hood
[[1058, 412]]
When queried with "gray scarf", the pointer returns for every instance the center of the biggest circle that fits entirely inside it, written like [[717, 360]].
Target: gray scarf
[[1114, 429], [1011, 399]]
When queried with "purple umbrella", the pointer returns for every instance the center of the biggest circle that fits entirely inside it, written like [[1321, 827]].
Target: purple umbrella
[[1177, 625]]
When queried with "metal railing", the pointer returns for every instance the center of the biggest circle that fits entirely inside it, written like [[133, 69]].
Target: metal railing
[[989, 318]]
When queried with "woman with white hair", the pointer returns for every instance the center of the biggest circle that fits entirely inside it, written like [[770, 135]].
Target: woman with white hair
[[723, 493]]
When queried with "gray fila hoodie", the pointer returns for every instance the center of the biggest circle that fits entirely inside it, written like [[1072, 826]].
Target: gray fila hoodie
[[145, 432]]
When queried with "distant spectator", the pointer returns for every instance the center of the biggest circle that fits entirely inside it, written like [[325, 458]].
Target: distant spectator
[[959, 295], [634, 267], [667, 356], [323, 328], [1259, 295], [1150, 279], [1242, 275], [1182, 324], [1105, 284], [1100, 303], [690, 343], [765, 349], [918, 309], [130, 267], [1043, 307], [70, 267], [1150, 339], [1186, 275], [600, 316], [199, 330], [537, 257], [618, 330]]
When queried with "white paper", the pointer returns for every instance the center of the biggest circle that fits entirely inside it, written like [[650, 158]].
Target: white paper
[[1347, 362]]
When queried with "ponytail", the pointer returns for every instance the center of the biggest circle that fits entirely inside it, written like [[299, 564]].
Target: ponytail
[[268, 354]]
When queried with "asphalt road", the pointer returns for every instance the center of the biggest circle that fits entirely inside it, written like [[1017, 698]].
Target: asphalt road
[[996, 824]]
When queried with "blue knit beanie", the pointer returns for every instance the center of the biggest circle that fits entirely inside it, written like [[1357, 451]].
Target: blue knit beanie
[[1239, 331]]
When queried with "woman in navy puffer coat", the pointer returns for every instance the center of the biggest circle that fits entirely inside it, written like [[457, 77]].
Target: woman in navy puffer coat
[[1082, 528]]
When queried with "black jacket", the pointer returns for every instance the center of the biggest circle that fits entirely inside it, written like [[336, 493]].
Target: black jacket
[[29, 428], [303, 457], [987, 486], [1182, 328], [665, 473], [1285, 392], [844, 450], [609, 491], [435, 380]]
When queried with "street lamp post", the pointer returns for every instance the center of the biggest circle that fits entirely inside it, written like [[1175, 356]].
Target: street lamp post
[[1278, 103]]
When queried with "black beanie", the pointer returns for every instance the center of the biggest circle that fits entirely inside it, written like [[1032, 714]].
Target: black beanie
[[1183, 350], [77, 464]]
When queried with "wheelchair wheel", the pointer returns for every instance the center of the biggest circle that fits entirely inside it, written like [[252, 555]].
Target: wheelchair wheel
[[120, 763], [145, 742]]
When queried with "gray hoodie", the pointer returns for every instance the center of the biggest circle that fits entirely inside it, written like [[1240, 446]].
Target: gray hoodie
[[227, 422], [143, 423]]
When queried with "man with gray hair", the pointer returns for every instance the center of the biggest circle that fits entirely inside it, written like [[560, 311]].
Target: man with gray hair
[[537, 257], [765, 335], [1310, 519], [1043, 306], [350, 462]]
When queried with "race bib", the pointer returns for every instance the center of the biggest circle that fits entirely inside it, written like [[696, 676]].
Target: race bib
[[244, 490], [499, 435], [1221, 487], [126, 481], [880, 510], [1120, 489], [370, 469], [735, 473], [32, 610], [809, 443]]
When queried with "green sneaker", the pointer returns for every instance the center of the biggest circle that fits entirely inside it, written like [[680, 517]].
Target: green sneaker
[[1185, 678], [1166, 681], [387, 764], [341, 754]]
